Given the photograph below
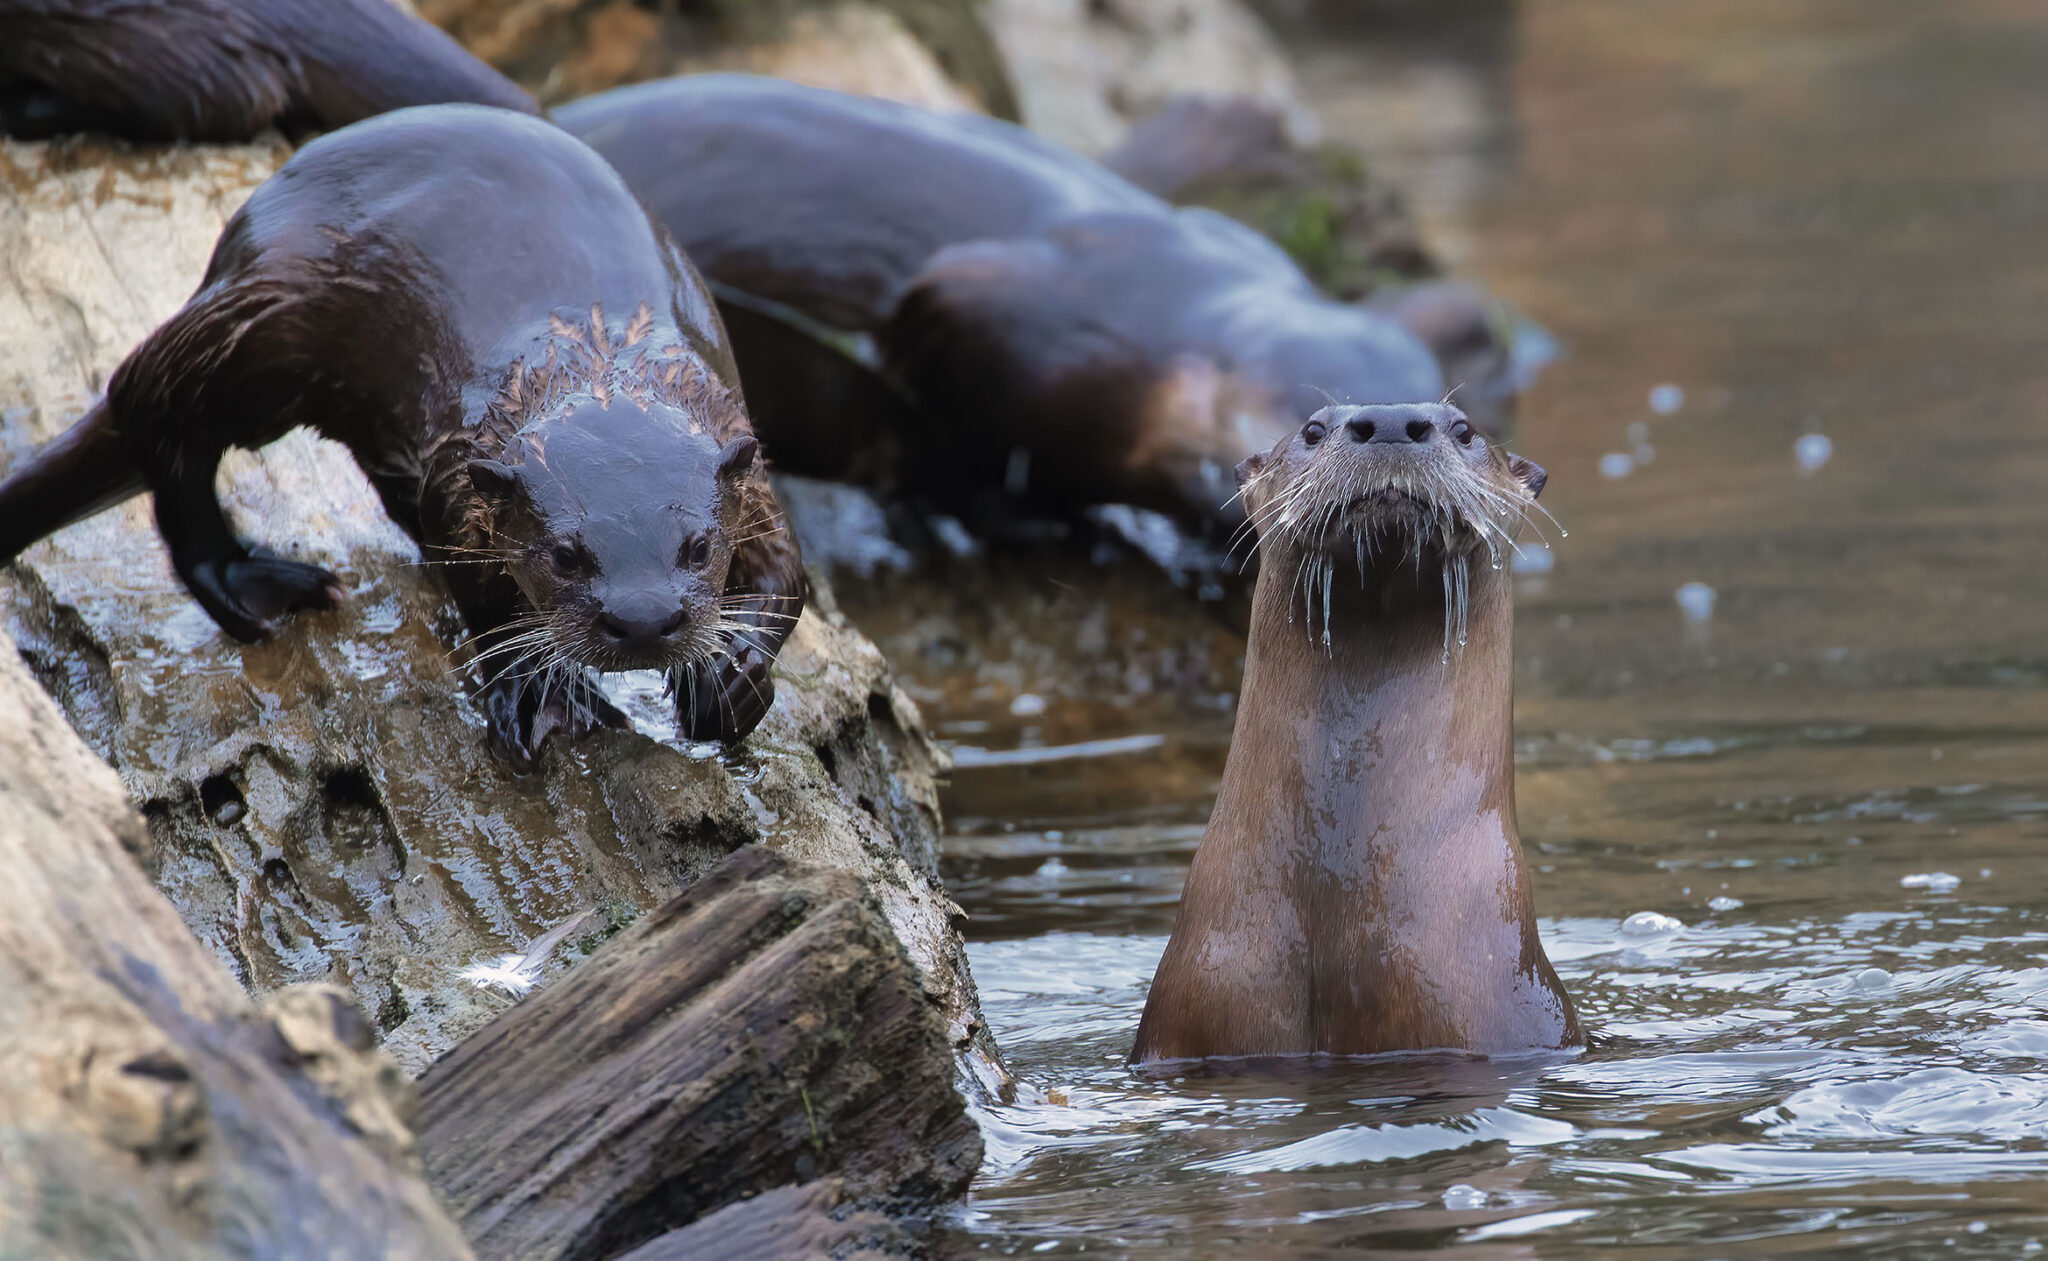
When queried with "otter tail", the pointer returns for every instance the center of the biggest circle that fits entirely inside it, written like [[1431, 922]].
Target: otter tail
[[86, 469]]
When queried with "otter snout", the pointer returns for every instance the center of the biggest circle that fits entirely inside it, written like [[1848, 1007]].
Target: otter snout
[[1366, 429], [640, 633], [1396, 424]]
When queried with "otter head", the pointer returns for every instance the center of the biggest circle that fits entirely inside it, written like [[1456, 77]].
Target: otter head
[[1389, 485], [618, 525]]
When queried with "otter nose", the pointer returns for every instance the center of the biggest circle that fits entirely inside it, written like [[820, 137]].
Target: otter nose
[[639, 632], [1365, 429]]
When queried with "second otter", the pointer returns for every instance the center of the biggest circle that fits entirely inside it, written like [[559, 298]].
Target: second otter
[[1360, 887]]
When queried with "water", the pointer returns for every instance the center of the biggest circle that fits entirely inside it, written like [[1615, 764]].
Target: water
[[1784, 217]]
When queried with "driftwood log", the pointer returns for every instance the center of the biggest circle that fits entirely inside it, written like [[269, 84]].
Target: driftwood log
[[762, 1029], [149, 1109], [811, 1220]]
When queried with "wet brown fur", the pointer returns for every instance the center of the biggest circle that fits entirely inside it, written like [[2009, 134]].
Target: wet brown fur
[[1360, 887]]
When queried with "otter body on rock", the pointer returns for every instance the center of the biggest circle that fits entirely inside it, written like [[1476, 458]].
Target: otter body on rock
[[226, 69], [1360, 887], [1061, 334], [532, 377]]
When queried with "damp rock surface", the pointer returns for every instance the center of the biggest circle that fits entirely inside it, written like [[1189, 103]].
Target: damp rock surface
[[932, 52], [323, 806], [151, 1109]]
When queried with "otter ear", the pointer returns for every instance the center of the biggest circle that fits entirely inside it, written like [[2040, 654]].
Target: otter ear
[[1250, 467], [492, 478], [737, 456], [1529, 473]]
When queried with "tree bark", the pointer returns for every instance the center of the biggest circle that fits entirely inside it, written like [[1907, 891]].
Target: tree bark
[[762, 1029]]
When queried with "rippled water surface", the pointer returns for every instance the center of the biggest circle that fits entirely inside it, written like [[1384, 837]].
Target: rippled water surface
[[1811, 217]]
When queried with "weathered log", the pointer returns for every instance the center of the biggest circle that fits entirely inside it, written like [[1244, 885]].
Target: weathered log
[[324, 804], [786, 1222], [148, 1108], [764, 1028]]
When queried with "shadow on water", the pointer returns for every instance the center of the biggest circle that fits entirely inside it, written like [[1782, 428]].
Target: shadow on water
[[1789, 694]]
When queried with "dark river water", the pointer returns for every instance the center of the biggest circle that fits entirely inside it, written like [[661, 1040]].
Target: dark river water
[[1797, 253]]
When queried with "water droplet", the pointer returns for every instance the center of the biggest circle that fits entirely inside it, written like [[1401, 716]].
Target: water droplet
[[1027, 705], [1644, 453], [1650, 924], [1637, 433], [1932, 881], [1463, 1195], [1812, 450], [1617, 464], [1696, 600], [1666, 399]]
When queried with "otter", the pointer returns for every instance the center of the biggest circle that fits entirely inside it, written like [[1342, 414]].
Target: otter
[[530, 374], [224, 70], [1360, 887], [1050, 330]]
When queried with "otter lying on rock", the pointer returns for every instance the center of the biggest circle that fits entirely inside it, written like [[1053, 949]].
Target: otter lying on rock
[[531, 375], [226, 69], [1360, 887], [1064, 336]]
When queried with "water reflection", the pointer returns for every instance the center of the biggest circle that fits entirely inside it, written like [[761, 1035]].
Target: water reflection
[[1769, 690]]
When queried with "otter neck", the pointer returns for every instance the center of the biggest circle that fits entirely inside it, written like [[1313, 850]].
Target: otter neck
[[1403, 738]]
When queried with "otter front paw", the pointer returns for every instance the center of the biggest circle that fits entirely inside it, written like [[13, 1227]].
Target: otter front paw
[[249, 596], [522, 713], [725, 698]]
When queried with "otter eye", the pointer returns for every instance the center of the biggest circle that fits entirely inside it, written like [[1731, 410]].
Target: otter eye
[[567, 557], [696, 551], [1462, 431], [1313, 432]]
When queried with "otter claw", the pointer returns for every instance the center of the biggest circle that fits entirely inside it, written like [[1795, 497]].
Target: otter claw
[[250, 596], [726, 698]]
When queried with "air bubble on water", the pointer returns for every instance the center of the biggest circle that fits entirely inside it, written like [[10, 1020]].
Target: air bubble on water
[[1978, 1228], [702, 750], [1666, 399], [1617, 464], [1052, 869], [1873, 979], [1812, 450], [1933, 881], [1533, 558], [1695, 600], [1027, 705], [1463, 1195], [1055, 836], [1724, 903], [1650, 924]]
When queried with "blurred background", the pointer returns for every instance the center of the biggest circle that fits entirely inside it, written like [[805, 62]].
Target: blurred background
[[1781, 687]]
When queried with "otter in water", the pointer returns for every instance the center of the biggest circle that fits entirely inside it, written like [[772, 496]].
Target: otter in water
[[1360, 887], [226, 69], [532, 377], [1059, 333]]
